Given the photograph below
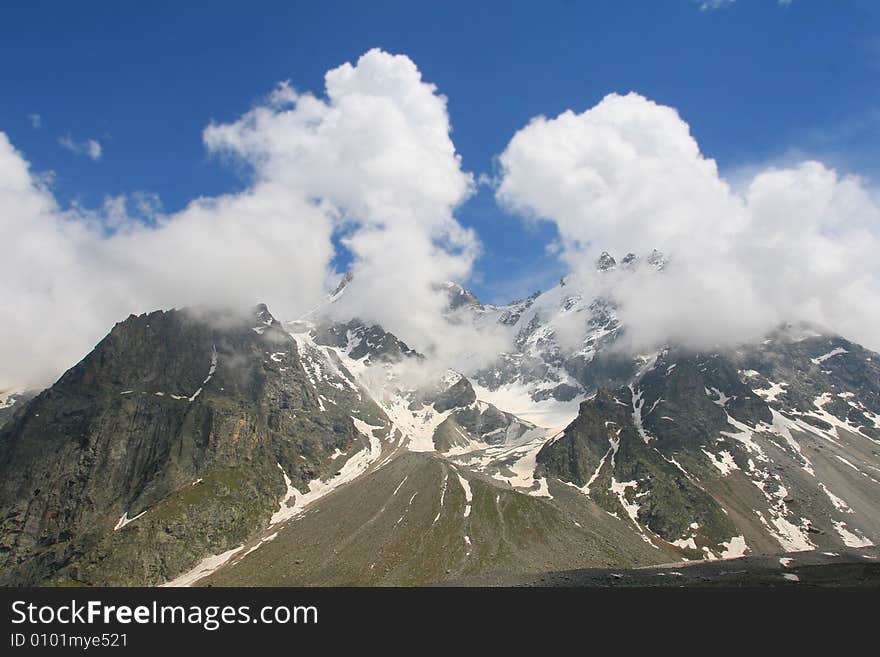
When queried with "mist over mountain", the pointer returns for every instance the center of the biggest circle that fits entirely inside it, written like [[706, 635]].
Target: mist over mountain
[[372, 166]]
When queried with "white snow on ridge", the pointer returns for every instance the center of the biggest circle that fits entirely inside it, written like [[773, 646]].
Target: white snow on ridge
[[770, 394], [783, 426], [7, 397], [586, 488], [468, 495], [125, 520], [853, 538], [516, 399], [294, 502], [402, 482], [355, 466], [834, 352], [418, 425], [442, 497], [722, 398], [723, 461], [512, 463], [204, 568], [735, 547], [211, 372], [791, 537], [638, 405], [838, 503], [289, 496], [619, 488]]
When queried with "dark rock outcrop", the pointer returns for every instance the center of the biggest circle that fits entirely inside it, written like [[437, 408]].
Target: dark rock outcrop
[[179, 419]]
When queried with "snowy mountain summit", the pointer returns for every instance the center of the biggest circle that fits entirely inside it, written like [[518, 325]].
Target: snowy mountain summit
[[328, 450]]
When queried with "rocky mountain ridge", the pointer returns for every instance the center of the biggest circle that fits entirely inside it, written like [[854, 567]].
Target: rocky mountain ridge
[[191, 447]]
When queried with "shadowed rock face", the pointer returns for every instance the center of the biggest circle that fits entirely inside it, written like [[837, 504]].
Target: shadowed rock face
[[772, 445], [361, 341], [603, 451], [181, 417], [687, 388], [459, 395], [814, 365]]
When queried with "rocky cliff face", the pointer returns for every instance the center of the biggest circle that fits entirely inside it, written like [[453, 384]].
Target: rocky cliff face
[[710, 455], [162, 445]]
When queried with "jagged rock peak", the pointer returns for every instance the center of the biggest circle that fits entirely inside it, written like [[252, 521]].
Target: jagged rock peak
[[261, 312], [345, 280], [362, 340], [630, 260], [458, 395], [458, 296], [657, 260], [606, 262]]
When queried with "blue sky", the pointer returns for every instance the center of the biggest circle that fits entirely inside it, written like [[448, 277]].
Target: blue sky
[[758, 82]]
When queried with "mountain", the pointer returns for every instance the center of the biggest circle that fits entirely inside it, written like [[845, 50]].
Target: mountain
[[563, 342], [213, 448], [166, 443], [694, 456]]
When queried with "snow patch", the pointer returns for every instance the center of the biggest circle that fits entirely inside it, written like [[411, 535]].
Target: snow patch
[[853, 538], [125, 520], [734, 548], [468, 495], [723, 461], [834, 352]]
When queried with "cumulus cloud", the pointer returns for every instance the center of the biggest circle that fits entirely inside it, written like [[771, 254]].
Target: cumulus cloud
[[372, 160], [91, 148], [69, 275], [795, 245], [378, 151]]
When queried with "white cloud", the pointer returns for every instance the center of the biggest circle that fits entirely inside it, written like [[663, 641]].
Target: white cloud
[[627, 175], [378, 151], [712, 5], [35, 120], [68, 276], [373, 159], [91, 148]]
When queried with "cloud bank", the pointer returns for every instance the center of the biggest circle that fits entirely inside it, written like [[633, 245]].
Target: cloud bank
[[373, 159], [68, 276], [798, 244], [372, 162], [378, 152]]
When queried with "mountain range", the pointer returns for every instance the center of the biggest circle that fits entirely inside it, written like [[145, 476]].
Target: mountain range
[[214, 447]]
